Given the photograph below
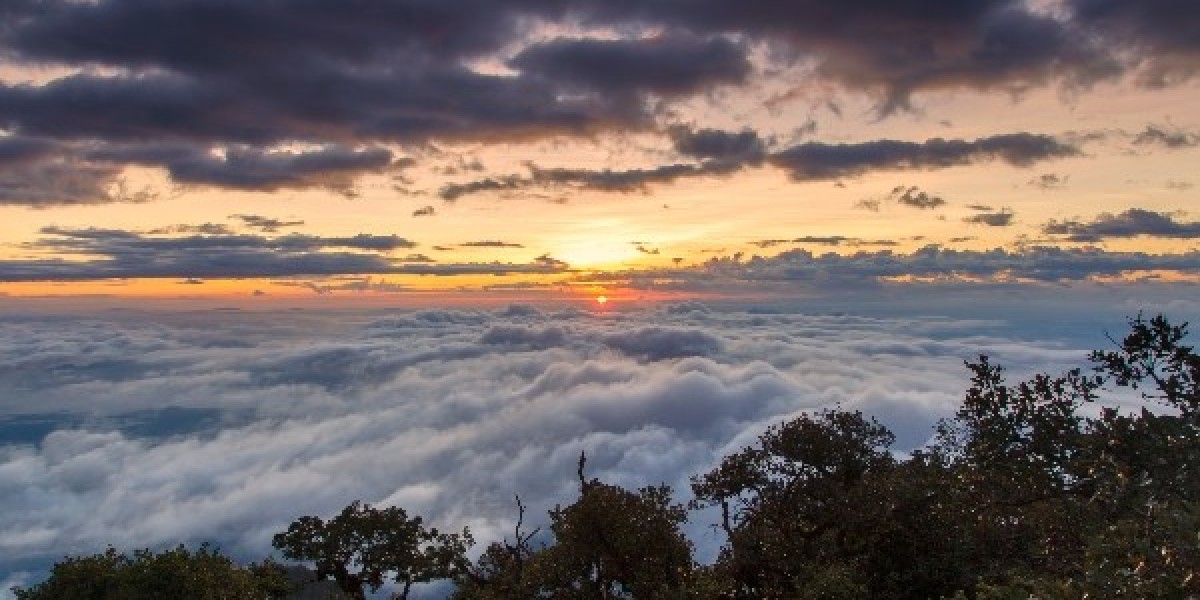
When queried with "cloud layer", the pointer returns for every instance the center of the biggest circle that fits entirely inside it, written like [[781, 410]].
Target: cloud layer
[[152, 429]]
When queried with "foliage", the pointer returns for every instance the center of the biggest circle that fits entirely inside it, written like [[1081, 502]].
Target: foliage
[[204, 574], [610, 543], [363, 545]]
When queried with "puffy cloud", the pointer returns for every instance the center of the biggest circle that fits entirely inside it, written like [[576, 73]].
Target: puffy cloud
[[658, 343], [165, 428]]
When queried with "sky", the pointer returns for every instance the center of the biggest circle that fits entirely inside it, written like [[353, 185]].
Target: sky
[[260, 259], [395, 149]]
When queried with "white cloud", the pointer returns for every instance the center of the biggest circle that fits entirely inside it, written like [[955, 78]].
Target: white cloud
[[169, 428]]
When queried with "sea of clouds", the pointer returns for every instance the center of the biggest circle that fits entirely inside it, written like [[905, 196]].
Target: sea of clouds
[[149, 429]]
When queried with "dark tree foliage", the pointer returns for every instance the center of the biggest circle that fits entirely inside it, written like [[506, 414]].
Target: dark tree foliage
[[204, 574], [363, 546], [611, 543], [1055, 487]]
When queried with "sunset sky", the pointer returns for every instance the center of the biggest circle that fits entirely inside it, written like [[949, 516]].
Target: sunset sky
[[392, 149], [260, 259]]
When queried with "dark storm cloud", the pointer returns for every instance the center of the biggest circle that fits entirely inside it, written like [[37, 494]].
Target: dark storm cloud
[[212, 90], [819, 160], [897, 48], [112, 253], [19, 150], [1161, 33], [669, 64], [1131, 223]]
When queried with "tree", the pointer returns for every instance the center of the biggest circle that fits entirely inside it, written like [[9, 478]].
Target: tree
[[1089, 506], [363, 546], [204, 574], [795, 506], [610, 543]]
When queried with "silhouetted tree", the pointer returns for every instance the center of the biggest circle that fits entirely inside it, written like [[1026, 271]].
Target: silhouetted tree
[[610, 543], [204, 574], [364, 546]]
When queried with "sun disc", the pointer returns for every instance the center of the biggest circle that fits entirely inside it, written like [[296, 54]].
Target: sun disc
[[601, 300]]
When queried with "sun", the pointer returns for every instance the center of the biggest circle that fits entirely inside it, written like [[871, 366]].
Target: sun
[[601, 300]]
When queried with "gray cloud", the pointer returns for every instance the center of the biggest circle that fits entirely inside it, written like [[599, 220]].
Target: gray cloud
[[152, 429], [669, 64], [111, 253], [264, 224], [245, 80], [829, 271], [1130, 223], [744, 146], [725, 153], [1049, 181], [915, 197], [490, 244], [1001, 218], [818, 160], [1167, 138], [58, 182], [251, 168], [1159, 33]]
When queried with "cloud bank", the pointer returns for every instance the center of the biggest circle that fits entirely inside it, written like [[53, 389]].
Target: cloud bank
[[142, 429]]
